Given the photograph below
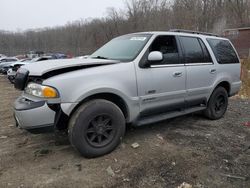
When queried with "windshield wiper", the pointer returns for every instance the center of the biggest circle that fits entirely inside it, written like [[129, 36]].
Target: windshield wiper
[[100, 57]]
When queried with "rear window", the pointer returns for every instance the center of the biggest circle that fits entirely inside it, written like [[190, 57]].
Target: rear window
[[223, 51]]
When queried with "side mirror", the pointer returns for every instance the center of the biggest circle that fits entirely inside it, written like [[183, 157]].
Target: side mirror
[[155, 56]]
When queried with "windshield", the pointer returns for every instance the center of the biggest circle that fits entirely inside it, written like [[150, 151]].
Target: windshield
[[124, 48]]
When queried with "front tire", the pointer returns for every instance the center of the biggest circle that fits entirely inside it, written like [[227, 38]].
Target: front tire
[[217, 105], [96, 128]]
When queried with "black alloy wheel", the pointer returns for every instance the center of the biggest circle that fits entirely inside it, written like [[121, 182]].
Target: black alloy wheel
[[220, 104], [96, 128], [217, 104], [100, 131]]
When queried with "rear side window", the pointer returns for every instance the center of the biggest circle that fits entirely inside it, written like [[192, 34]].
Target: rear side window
[[207, 57], [195, 50], [223, 51]]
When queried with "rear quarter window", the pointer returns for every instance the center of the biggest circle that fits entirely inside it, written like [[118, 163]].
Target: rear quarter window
[[223, 51]]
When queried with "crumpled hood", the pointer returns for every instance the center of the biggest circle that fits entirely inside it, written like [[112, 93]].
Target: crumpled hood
[[43, 67]]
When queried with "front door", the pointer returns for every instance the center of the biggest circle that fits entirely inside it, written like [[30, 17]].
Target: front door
[[161, 87]]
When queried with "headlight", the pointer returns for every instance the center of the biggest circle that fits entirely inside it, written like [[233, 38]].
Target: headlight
[[41, 91]]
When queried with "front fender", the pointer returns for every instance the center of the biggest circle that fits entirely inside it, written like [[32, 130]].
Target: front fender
[[132, 103]]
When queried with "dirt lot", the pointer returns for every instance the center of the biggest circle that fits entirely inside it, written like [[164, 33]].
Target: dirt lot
[[186, 149]]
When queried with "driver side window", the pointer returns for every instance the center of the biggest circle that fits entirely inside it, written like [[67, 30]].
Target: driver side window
[[168, 46]]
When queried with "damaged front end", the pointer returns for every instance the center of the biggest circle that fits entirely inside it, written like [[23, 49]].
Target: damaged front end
[[40, 105], [37, 114]]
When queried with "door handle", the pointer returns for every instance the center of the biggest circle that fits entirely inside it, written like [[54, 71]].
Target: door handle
[[177, 74], [212, 71]]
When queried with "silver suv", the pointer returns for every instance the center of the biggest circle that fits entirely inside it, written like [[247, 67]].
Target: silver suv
[[137, 78]]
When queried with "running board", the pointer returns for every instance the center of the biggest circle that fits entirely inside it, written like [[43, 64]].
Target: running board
[[161, 117]]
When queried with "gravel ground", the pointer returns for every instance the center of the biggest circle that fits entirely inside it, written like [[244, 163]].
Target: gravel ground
[[187, 149]]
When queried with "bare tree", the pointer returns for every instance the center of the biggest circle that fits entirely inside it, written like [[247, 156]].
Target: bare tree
[[84, 36]]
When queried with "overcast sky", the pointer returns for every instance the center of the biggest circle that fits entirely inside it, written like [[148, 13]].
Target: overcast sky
[[29, 14]]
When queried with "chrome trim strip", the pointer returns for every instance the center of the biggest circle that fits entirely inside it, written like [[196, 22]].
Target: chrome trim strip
[[167, 65], [180, 65], [198, 64]]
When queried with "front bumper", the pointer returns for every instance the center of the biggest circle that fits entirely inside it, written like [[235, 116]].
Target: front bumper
[[33, 114]]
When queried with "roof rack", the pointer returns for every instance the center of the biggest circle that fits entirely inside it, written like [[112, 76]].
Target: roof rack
[[192, 32]]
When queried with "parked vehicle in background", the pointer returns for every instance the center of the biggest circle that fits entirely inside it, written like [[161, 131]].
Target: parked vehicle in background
[[43, 58], [11, 69], [137, 78], [6, 61], [6, 65], [59, 56], [2, 55], [35, 54], [21, 57]]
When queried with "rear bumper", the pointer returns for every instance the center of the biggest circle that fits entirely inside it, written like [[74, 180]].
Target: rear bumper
[[32, 115]]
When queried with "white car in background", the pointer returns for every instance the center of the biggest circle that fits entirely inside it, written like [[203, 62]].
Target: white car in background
[[12, 69], [2, 55], [7, 59]]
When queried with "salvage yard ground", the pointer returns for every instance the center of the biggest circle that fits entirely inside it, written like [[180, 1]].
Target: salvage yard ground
[[188, 149]]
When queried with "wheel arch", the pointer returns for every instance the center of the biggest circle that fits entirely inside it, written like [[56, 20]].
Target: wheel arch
[[224, 84], [114, 98]]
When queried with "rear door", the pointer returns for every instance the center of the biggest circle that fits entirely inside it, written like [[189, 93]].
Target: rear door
[[201, 71]]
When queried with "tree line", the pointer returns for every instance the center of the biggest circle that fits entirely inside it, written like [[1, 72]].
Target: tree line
[[83, 36]]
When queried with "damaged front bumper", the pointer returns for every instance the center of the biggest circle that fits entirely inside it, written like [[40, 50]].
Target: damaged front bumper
[[37, 116], [31, 115]]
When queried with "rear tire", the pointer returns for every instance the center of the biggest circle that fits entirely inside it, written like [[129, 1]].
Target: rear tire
[[96, 128], [217, 105]]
